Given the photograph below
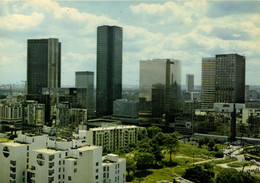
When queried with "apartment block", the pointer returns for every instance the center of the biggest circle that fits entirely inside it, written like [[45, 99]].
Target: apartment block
[[37, 159], [112, 137]]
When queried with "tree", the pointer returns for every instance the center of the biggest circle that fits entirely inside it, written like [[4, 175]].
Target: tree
[[232, 175], [156, 151], [159, 138], [142, 134], [198, 174], [130, 166], [171, 143], [211, 144], [153, 130], [144, 160]]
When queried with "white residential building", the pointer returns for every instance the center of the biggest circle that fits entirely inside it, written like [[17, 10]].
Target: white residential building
[[14, 156], [37, 159], [113, 169], [112, 137]]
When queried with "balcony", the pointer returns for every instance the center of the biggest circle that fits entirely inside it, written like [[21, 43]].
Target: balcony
[[51, 165], [51, 157], [51, 172], [13, 163], [13, 176]]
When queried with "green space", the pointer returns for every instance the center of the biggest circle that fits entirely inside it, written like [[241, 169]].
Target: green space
[[159, 156], [239, 164]]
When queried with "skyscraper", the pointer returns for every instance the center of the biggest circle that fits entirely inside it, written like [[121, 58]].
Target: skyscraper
[[223, 80], [208, 82], [189, 82], [85, 79], [43, 64], [158, 81], [230, 78], [109, 68]]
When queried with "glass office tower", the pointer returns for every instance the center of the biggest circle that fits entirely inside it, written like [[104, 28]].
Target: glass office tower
[[109, 68]]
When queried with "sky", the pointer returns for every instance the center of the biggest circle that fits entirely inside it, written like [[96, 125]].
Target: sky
[[183, 30]]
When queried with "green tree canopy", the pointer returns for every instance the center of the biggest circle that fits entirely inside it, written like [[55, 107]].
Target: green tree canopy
[[232, 175], [144, 160], [171, 143], [198, 174], [153, 130]]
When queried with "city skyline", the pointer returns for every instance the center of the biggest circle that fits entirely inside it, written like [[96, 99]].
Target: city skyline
[[184, 30]]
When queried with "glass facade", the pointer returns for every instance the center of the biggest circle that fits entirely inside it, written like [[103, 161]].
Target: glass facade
[[109, 68], [160, 79], [85, 79], [43, 64]]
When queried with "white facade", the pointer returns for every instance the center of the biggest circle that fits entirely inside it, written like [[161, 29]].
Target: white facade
[[112, 137], [113, 169], [14, 157], [37, 159]]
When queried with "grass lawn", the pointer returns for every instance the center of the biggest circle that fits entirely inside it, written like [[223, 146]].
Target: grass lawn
[[239, 164], [182, 160]]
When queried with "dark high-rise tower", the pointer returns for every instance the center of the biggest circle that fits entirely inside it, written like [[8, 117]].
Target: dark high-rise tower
[[109, 68], [43, 65], [230, 78]]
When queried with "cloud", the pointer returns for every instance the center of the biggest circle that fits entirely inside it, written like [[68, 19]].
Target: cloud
[[20, 21]]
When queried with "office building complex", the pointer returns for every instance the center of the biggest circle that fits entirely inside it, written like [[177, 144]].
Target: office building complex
[[208, 82], [109, 68], [43, 64], [189, 82], [85, 79], [160, 84], [37, 159], [230, 78]]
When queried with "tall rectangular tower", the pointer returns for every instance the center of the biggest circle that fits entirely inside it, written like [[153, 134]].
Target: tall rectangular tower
[[208, 82], [43, 65], [109, 68], [230, 78], [189, 82], [85, 79]]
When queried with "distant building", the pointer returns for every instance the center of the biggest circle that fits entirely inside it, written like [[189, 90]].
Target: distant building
[[43, 69], [189, 82], [109, 68], [208, 82], [160, 84], [43, 64], [230, 78], [33, 113], [11, 112], [125, 109], [85, 79]]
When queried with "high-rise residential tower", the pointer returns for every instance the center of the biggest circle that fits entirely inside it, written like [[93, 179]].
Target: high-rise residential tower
[[223, 80], [160, 79], [230, 78], [85, 79], [109, 68], [43, 65], [189, 82], [208, 82]]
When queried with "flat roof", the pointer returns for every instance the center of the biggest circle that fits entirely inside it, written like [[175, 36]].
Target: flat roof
[[48, 151]]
